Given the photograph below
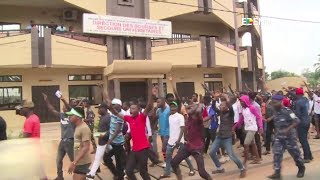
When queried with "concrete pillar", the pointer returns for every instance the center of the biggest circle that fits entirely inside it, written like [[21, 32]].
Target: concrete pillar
[[117, 92], [161, 90]]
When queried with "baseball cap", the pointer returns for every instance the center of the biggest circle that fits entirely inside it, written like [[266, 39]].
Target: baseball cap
[[75, 111], [25, 104], [116, 101], [299, 91], [174, 103], [277, 97]]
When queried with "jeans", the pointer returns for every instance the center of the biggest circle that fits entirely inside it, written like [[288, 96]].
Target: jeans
[[303, 138], [164, 140], [227, 144], [154, 142], [65, 147], [169, 153], [185, 153], [209, 136], [118, 152], [138, 158]]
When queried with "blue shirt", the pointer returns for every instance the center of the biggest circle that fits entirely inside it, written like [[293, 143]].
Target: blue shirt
[[164, 121], [302, 110], [113, 125], [214, 121]]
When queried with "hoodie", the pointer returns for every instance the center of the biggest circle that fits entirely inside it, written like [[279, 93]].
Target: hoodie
[[254, 111]]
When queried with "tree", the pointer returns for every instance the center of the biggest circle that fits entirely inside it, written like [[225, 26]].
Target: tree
[[317, 65], [281, 73], [312, 77]]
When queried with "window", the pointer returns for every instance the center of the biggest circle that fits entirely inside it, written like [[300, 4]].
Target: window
[[9, 26], [11, 78], [215, 75], [214, 85], [126, 2], [10, 97], [85, 77], [90, 92], [180, 38]]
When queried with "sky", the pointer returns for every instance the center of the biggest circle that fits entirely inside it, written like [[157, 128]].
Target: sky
[[287, 45]]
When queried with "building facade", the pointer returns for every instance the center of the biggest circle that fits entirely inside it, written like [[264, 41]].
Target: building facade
[[43, 49]]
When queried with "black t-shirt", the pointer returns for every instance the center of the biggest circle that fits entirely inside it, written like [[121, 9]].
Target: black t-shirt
[[3, 129]]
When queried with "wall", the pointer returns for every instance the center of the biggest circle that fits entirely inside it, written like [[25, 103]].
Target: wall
[[202, 28], [225, 56], [9, 46], [23, 15], [225, 15], [196, 75], [32, 77], [162, 10], [98, 7], [77, 53]]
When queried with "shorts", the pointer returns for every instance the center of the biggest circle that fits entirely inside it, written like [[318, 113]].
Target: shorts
[[250, 138], [314, 118], [82, 169]]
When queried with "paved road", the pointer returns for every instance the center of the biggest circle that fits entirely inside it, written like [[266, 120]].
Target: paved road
[[16, 153]]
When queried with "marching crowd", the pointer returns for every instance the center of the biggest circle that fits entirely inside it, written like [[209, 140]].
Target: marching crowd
[[128, 131]]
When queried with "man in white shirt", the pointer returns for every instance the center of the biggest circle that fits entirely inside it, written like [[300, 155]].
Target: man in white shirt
[[176, 139], [316, 106]]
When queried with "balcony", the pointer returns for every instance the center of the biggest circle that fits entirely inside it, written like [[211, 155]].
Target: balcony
[[98, 7], [15, 47], [26, 48], [162, 9], [223, 9]]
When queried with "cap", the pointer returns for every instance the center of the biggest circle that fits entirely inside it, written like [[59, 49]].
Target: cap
[[116, 101], [102, 105], [25, 104], [277, 97], [299, 91], [74, 112], [174, 103]]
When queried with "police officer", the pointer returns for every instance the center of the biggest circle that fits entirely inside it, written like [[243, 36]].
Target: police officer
[[285, 122]]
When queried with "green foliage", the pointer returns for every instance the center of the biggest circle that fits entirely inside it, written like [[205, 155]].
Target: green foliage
[[281, 73], [312, 76]]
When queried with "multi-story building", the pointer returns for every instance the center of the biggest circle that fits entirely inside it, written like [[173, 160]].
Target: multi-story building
[[204, 48]]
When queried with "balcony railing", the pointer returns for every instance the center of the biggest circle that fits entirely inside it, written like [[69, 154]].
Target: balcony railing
[[95, 39], [164, 42], [230, 45], [9, 33]]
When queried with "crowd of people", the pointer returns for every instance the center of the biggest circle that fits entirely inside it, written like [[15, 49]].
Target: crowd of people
[[128, 132]]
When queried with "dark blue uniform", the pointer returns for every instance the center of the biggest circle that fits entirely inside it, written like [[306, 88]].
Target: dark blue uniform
[[282, 120]]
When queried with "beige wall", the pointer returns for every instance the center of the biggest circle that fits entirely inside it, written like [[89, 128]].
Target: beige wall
[[183, 54], [159, 9], [15, 50], [225, 56], [202, 28], [69, 52], [23, 15], [41, 77], [196, 75], [226, 5], [97, 7]]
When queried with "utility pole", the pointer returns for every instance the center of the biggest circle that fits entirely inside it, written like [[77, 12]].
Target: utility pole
[[239, 75]]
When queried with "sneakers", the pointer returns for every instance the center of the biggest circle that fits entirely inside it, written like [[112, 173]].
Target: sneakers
[[163, 165], [192, 173], [301, 172], [219, 171], [243, 173], [89, 177]]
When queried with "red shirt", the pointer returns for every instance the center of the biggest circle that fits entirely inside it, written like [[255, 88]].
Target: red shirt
[[138, 132], [194, 134], [32, 126]]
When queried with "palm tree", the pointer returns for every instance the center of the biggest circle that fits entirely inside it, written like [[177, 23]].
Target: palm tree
[[317, 65]]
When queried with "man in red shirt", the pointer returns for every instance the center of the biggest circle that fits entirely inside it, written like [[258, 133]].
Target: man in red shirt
[[137, 123], [31, 127]]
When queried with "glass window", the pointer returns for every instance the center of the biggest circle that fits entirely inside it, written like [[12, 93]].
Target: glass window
[[11, 78], [6, 27], [90, 92], [10, 97], [85, 77]]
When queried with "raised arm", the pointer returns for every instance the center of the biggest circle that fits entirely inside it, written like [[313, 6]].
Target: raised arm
[[153, 94], [247, 87], [175, 92], [264, 85], [231, 90], [50, 106]]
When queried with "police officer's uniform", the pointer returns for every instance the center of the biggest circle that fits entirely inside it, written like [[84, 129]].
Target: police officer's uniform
[[282, 120]]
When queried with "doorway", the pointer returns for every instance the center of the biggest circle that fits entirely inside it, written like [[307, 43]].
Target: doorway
[[185, 89], [130, 90], [40, 107]]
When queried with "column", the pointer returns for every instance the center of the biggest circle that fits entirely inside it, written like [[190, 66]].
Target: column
[[117, 93], [160, 85]]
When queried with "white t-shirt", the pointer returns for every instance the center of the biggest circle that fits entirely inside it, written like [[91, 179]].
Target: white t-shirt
[[236, 111], [175, 122], [316, 104], [250, 121]]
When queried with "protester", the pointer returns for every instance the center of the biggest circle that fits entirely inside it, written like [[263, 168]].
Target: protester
[[207, 123], [301, 111], [66, 144], [31, 127], [163, 113], [285, 122], [3, 129], [252, 121], [89, 120], [137, 122], [115, 143], [103, 137], [82, 135], [224, 138], [194, 145], [176, 140], [270, 124]]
